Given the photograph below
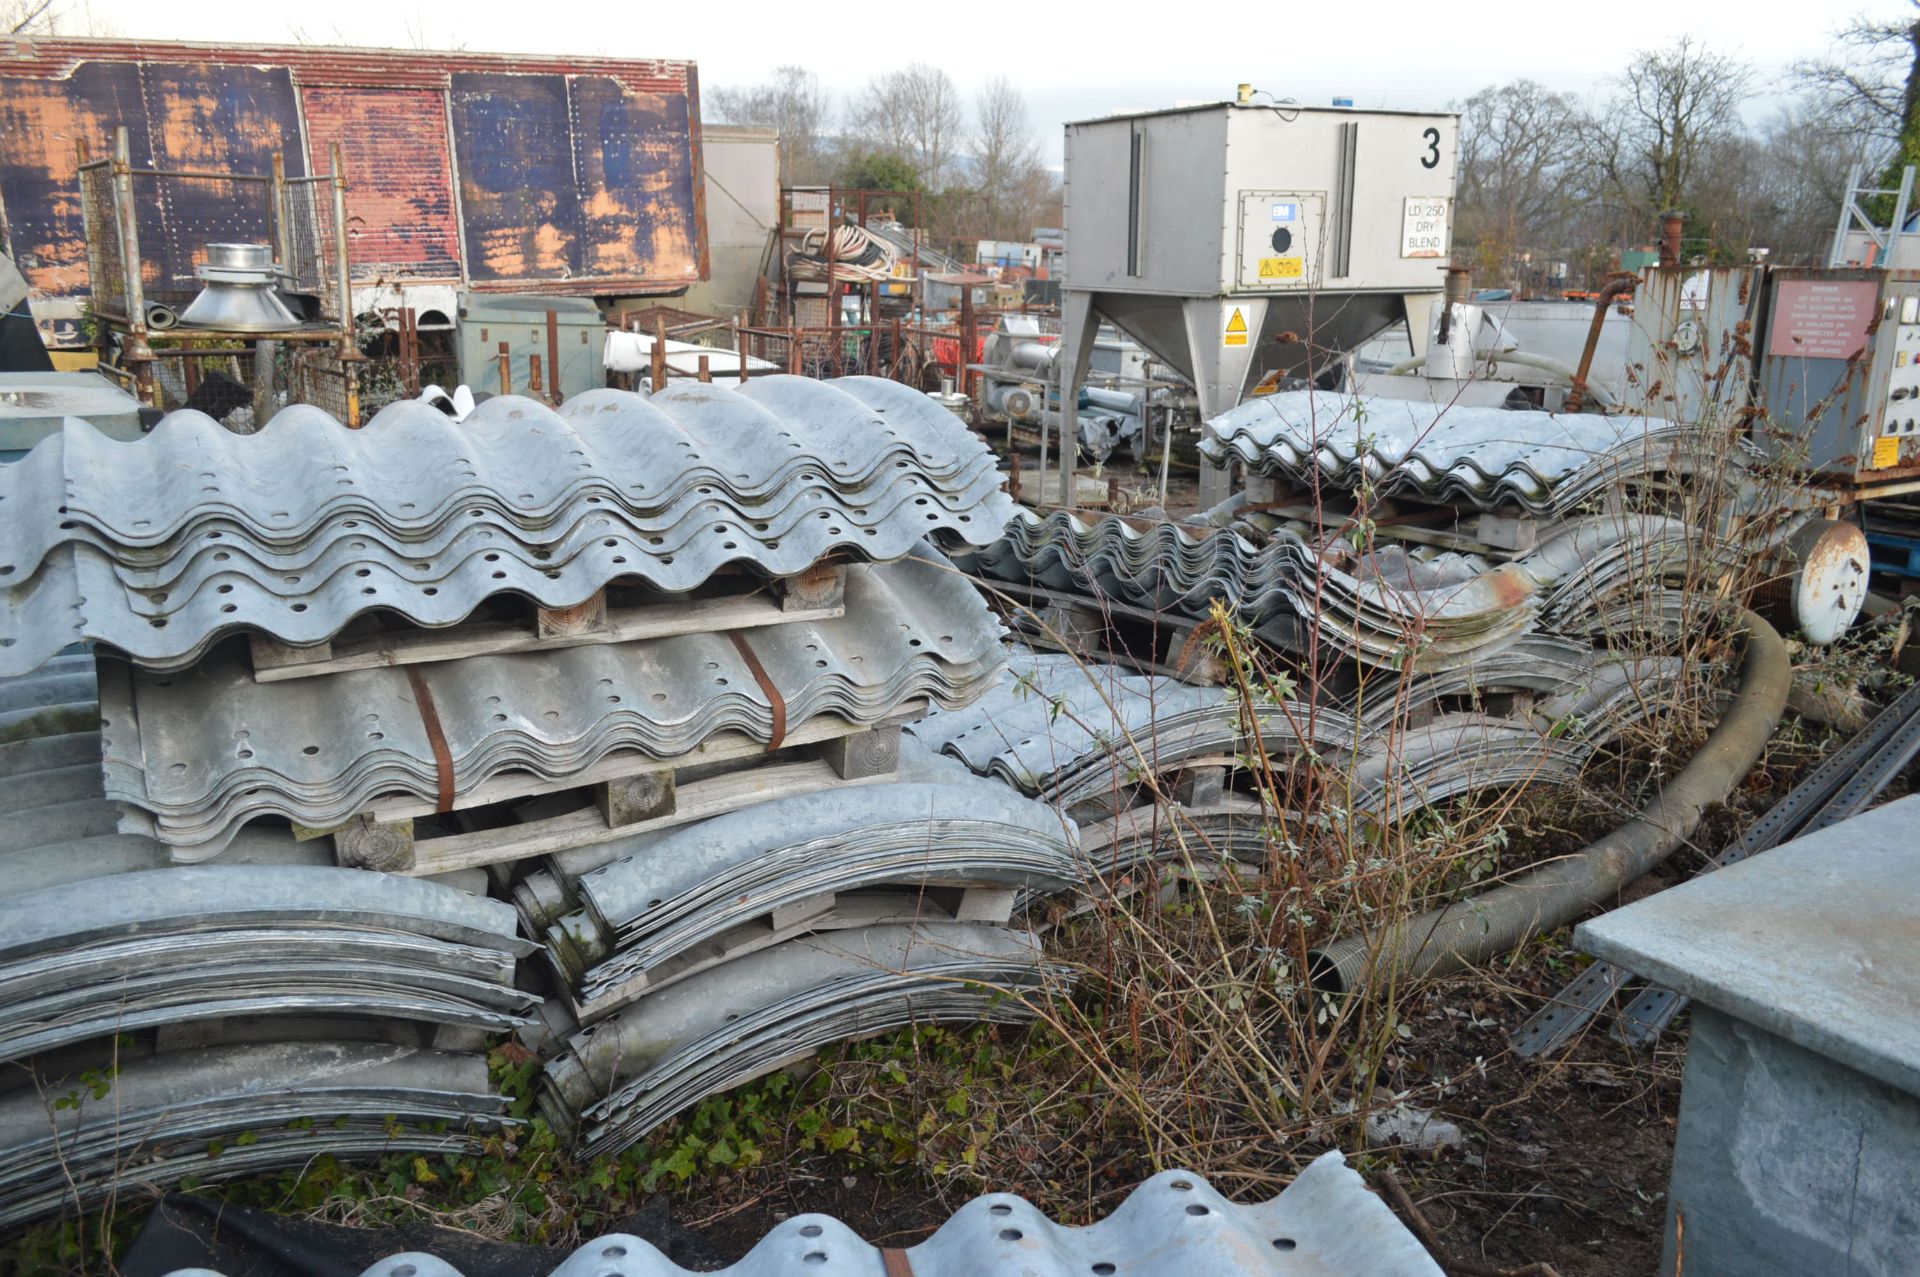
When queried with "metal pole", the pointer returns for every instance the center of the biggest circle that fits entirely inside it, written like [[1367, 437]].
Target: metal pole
[[1166, 439], [282, 232], [968, 325], [1838, 254], [1900, 205], [554, 393], [342, 269], [135, 353]]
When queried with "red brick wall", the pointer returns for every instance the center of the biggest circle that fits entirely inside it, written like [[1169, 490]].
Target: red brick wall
[[399, 178]]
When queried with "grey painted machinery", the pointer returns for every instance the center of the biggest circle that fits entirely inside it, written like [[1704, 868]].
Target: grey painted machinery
[[1239, 241]]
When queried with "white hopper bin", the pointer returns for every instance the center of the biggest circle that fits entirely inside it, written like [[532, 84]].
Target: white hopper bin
[[1207, 232]]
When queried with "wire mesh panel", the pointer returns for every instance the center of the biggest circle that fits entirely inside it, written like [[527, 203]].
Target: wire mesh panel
[[312, 242], [106, 268]]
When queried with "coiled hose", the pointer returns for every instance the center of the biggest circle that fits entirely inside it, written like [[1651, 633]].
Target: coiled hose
[[1468, 932]]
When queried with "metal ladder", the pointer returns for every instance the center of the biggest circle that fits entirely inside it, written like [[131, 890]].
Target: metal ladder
[[1854, 215]]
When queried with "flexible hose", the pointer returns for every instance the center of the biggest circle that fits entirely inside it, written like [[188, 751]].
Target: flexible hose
[[1468, 932], [1545, 363]]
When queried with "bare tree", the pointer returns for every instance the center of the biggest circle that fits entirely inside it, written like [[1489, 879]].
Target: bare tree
[[1006, 160], [1874, 83], [1518, 146], [50, 17], [916, 113], [794, 103], [1675, 104], [1800, 179]]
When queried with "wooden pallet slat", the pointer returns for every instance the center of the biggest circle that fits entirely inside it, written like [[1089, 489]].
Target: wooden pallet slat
[[629, 794], [554, 628]]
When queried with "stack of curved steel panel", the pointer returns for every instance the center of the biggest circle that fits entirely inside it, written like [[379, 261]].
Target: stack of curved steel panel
[[205, 749], [103, 956], [77, 1138], [1453, 453], [288, 977], [644, 913], [1175, 1224], [56, 699], [1079, 732], [548, 893], [625, 1075], [1069, 731], [1393, 605], [160, 546]]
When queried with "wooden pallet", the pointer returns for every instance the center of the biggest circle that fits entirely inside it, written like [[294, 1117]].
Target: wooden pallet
[[1152, 642], [828, 912], [626, 793], [817, 595], [1494, 536]]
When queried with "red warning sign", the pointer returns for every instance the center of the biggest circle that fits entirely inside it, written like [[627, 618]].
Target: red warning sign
[[1822, 319]]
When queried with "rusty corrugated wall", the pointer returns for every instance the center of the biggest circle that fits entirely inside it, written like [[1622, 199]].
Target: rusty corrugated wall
[[493, 171]]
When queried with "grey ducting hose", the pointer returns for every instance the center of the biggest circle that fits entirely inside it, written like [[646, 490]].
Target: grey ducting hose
[[1520, 358], [1470, 931]]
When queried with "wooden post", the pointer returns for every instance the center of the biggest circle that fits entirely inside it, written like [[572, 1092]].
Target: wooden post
[[587, 617], [366, 843], [534, 386], [706, 371], [659, 379], [632, 799], [874, 752], [506, 369], [822, 585], [554, 393], [740, 340]]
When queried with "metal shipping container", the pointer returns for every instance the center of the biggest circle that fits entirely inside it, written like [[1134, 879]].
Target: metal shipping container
[[467, 171]]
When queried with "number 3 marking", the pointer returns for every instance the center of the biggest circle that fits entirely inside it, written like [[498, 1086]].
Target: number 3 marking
[[1432, 158]]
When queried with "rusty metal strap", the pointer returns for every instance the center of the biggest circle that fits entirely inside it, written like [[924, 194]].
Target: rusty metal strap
[[436, 735], [774, 698], [896, 1262]]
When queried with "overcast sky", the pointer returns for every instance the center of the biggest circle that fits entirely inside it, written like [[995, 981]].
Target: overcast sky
[[1074, 58]]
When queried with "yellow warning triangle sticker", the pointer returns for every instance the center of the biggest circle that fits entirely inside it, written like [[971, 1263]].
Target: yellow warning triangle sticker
[[1238, 324]]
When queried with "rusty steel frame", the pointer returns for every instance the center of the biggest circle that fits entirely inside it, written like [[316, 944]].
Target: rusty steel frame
[[117, 227]]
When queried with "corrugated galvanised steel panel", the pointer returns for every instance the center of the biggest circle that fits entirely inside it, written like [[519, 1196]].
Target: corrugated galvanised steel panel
[[1175, 1224], [1544, 462], [654, 904], [102, 956], [631, 219], [208, 747], [162, 546]]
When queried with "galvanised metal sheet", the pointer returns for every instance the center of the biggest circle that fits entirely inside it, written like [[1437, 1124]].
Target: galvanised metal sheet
[[653, 904], [1324, 1224]]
